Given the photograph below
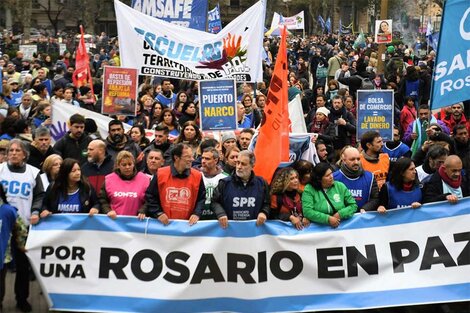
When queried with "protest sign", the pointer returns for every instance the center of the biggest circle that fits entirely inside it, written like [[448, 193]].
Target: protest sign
[[28, 51], [383, 31], [119, 91], [156, 47], [413, 256], [452, 71], [185, 13], [375, 112], [291, 22], [217, 105]]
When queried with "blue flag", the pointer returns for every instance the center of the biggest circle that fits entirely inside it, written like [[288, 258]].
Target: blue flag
[[328, 25], [451, 75], [434, 40], [321, 21], [214, 23]]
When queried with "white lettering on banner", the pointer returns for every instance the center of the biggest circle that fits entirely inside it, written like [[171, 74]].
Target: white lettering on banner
[[465, 35], [165, 9], [158, 48], [429, 248]]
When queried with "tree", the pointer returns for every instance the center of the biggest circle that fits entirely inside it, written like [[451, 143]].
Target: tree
[[53, 12]]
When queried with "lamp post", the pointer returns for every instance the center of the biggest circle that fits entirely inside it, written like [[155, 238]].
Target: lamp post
[[422, 4]]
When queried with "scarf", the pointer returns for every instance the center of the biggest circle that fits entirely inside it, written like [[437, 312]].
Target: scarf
[[117, 145], [349, 172], [447, 180], [319, 127], [408, 186], [291, 200]]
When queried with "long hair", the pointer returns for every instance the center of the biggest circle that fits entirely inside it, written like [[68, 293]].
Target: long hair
[[182, 138], [49, 163], [174, 122], [61, 182], [317, 174], [281, 180], [400, 167]]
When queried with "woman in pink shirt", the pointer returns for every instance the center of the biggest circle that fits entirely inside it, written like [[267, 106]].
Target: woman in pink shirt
[[123, 191]]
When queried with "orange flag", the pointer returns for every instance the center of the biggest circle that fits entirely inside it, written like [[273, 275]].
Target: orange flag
[[272, 145], [82, 75]]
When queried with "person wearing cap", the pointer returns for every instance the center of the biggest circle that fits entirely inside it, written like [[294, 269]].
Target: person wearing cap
[[16, 93], [228, 141], [457, 117]]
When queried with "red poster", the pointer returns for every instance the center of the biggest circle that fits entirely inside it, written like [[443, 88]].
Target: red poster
[[119, 91]]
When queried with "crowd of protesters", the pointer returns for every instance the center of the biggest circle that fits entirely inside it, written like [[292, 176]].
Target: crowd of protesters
[[126, 174]]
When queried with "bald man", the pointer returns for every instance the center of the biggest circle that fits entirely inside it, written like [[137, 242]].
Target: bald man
[[98, 164], [447, 183], [360, 183]]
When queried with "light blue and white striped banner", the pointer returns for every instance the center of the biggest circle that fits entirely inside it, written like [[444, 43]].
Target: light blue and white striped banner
[[125, 265]]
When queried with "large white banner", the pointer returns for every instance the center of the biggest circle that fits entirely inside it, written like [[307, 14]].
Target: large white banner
[[292, 22], [125, 265], [156, 47], [61, 114]]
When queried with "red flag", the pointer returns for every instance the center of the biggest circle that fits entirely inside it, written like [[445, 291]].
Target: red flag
[[82, 75], [272, 145]]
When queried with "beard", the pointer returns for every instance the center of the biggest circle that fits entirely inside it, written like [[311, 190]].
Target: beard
[[117, 137]]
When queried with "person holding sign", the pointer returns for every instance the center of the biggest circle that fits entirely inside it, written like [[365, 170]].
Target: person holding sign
[[326, 201]]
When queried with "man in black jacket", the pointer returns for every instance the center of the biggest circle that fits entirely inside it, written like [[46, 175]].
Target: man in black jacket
[[40, 148], [75, 142], [447, 183]]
